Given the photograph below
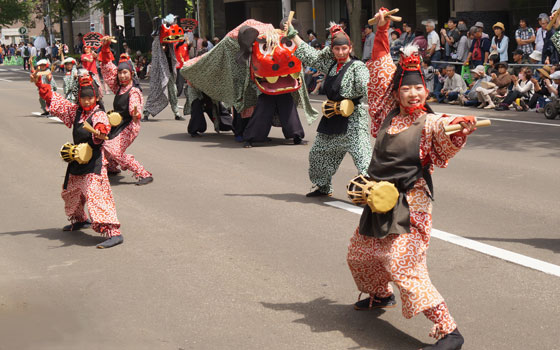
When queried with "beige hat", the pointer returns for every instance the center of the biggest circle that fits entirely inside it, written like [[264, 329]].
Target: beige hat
[[499, 25], [545, 71], [478, 70], [536, 55]]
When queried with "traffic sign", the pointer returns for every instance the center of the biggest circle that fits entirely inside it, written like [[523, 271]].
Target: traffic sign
[[22, 30]]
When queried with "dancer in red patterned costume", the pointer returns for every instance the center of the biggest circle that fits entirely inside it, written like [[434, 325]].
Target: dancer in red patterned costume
[[128, 103], [86, 183], [410, 141]]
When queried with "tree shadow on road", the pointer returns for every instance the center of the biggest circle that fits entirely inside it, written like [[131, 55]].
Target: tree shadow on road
[[363, 327], [552, 244], [68, 238], [286, 197]]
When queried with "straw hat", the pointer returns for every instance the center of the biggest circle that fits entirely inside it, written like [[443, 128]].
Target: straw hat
[[499, 25], [545, 71]]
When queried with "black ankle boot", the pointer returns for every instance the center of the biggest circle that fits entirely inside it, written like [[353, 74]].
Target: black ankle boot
[[111, 242], [452, 341], [77, 225]]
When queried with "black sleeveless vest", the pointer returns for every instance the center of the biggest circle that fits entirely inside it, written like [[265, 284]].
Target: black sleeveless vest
[[120, 105], [80, 135], [336, 124], [396, 159]]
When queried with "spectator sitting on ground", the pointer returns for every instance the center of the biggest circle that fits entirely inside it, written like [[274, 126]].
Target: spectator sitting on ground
[[493, 60], [499, 88], [541, 92], [552, 86], [470, 98], [452, 87], [523, 89], [525, 37]]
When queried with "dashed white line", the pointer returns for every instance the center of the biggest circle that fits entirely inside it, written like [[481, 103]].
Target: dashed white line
[[487, 249]]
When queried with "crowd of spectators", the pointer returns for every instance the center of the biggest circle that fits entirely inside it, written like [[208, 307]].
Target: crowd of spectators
[[472, 66]]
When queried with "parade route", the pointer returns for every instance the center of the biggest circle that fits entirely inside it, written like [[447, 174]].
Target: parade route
[[224, 251]]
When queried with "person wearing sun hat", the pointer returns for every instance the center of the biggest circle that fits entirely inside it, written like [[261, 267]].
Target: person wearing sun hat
[[42, 66], [70, 78], [128, 103], [500, 42], [391, 247], [471, 97]]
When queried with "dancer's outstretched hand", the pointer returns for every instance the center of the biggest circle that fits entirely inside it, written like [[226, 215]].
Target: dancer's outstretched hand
[[381, 16]]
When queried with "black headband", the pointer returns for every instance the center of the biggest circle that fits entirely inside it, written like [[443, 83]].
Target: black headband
[[412, 78], [125, 65], [340, 39]]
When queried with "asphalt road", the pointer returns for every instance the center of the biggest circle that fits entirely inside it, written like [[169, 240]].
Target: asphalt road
[[224, 251]]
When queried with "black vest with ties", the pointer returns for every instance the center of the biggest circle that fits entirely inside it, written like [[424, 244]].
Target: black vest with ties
[[80, 135], [336, 124], [120, 105], [396, 159]]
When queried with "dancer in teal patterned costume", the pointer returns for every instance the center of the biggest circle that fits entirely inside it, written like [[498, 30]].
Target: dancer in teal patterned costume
[[346, 79]]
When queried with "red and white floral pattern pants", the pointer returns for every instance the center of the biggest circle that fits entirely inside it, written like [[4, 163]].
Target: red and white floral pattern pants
[[95, 191], [115, 148], [401, 259]]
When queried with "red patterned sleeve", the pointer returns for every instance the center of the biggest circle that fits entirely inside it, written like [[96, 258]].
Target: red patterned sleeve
[[109, 71], [381, 70], [435, 146], [135, 100], [63, 109]]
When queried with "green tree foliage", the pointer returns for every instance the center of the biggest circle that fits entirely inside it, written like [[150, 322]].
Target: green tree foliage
[[12, 11]]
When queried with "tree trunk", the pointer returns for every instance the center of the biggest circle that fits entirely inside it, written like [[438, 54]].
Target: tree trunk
[[203, 20], [354, 12], [69, 33], [113, 15]]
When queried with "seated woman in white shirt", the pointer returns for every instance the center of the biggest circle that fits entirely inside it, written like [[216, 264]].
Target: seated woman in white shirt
[[523, 88]]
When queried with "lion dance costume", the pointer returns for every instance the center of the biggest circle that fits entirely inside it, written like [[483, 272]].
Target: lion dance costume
[[392, 246], [163, 74], [259, 76]]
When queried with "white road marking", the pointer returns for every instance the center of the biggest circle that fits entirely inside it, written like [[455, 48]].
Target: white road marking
[[7, 80], [487, 249], [521, 121]]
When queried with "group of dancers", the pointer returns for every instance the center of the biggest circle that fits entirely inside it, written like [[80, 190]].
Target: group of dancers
[[264, 65]]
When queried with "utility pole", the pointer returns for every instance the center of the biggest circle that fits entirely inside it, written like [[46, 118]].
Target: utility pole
[[286, 8]]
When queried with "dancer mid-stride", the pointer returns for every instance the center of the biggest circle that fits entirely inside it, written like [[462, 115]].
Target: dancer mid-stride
[[410, 141], [128, 104]]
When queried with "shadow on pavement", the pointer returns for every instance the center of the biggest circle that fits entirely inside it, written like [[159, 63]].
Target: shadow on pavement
[[363, 327], [115, 180], [286, 197], [552, 244], [225, 140], [66, 237]]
